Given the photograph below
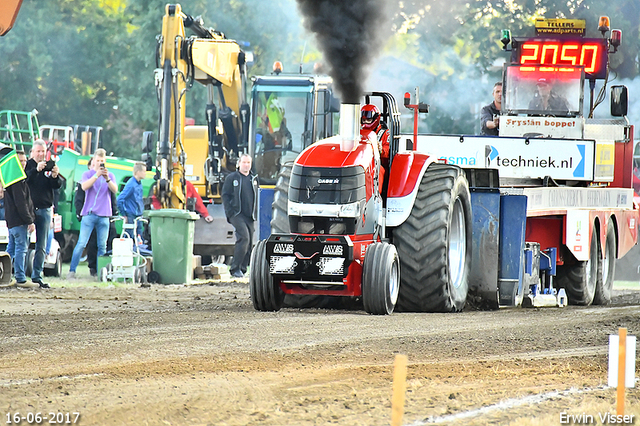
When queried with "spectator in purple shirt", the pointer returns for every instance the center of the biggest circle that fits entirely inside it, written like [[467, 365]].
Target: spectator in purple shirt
[[96, 183]]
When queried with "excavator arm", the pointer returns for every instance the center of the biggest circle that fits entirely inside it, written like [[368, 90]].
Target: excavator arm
[[215, 62]]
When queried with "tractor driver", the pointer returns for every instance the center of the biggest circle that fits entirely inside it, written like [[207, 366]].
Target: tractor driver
[[370, 120], [546, 98]]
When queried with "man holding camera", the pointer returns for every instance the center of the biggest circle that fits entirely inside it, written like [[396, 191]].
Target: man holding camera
[[98, 183], [43, 180]]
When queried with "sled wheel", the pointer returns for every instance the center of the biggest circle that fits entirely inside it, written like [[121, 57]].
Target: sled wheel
[[140, 276], [380, 279], [606, 272], [104, 274], [579, 279], [266, 295], [434, 243]]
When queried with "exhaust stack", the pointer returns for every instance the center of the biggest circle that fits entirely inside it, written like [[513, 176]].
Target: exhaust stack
[[349, 126]]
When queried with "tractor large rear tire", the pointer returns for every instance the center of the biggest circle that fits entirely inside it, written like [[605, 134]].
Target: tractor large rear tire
[[434, 244], [280, 206], [580, 278], [607, 269], [266, 295], [380, 279]]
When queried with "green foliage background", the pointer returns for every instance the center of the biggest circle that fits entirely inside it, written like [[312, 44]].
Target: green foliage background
[[92, 61]]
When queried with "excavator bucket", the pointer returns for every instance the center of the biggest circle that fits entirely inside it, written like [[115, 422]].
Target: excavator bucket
[[5, 267]]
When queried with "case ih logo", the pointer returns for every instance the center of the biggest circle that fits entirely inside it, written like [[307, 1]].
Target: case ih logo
[[332, 250], [327, 180], [283, 248]]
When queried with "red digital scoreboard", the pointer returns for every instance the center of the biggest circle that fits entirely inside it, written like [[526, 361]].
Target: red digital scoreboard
[[592, 53]]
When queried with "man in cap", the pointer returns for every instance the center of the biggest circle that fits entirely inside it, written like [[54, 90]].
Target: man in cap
[[546, 99]]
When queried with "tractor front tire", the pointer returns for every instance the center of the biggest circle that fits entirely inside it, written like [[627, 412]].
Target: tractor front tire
[[580, 279], [434, 244], [266, 295], [380, 279]]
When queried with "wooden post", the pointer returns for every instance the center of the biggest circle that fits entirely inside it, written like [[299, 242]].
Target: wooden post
[[622, 356], [399, 387]]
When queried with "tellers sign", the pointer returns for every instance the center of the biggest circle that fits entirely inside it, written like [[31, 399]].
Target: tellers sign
[[592, 53]]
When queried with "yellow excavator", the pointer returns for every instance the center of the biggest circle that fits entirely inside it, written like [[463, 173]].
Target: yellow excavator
[[287, 113], [218, 63]]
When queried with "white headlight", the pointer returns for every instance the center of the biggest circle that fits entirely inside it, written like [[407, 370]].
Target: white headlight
[[282, 264], [294, 209], [350, 210], [331, 265]]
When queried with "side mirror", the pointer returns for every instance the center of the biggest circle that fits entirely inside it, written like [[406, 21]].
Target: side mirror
[[619, 101], [147, 149], [147, 142]]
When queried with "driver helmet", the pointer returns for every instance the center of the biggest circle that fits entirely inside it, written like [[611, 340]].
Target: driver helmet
[[370, 117]]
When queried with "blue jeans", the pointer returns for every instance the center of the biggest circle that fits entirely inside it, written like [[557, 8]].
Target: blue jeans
[[43, 223], [20, 238], [11, 246], [49, 239], [89, 222]]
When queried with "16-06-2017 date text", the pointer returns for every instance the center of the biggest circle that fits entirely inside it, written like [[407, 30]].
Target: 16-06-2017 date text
[[51, 418]]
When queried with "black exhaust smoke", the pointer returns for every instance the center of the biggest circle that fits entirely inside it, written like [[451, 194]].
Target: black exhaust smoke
[[351, 34]]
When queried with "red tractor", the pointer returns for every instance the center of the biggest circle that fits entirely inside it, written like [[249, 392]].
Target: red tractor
[[396, 236]]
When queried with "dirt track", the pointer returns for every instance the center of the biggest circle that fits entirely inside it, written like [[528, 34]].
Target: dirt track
[[200, 355]]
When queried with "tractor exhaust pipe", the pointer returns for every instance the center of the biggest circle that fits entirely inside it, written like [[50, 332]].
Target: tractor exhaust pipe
[[349, 125]]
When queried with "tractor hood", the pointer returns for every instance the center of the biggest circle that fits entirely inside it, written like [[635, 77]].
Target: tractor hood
[[351, 147], [328, 152]]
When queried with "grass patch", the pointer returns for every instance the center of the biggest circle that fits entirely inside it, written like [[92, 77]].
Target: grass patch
[[626, 285]]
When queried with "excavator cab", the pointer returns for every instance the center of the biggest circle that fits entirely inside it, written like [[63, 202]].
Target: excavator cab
[[288, 113]]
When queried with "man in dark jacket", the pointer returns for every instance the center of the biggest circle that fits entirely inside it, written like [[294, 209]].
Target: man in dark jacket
[[43, 180], [490, 114], [240, 198], [20, 218]]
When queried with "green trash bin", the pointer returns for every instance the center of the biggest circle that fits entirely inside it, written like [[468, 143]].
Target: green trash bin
[[172, 244]]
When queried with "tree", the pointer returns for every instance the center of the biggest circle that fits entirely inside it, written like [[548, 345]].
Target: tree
[[92, 61]]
